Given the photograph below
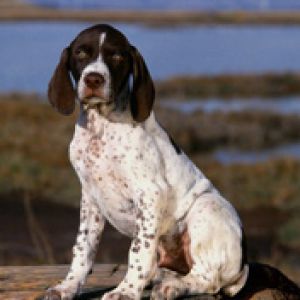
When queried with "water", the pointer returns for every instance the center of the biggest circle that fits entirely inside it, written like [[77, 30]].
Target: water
[[30, 51], [233, 156], [283, 105], [174, 4]]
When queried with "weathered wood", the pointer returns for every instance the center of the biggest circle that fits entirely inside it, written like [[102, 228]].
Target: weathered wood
[[29, 283], [29, 295], [26, 283]]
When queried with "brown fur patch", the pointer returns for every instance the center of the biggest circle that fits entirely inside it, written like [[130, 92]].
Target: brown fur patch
[[176, 255]]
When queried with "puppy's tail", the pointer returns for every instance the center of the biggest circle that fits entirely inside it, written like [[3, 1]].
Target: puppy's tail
[[238, 283], [264, 277]]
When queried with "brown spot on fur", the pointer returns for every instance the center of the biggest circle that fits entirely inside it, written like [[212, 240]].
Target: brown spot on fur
[[177, 256], [196, 195]]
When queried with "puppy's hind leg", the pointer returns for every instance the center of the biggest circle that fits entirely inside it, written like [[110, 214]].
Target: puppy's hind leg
[[174, 286], [216, 253]]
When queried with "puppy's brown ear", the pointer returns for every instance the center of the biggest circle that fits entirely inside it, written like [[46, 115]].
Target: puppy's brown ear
[[143, 93], [61, 93]]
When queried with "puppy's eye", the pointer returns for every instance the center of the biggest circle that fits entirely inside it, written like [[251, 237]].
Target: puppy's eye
[[81, 54], [117, 57]]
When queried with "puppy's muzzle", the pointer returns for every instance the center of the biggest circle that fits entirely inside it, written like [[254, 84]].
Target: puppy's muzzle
[[94, 80], [93, 90]]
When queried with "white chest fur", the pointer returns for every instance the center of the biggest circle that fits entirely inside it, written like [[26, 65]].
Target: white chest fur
[[109, 159]]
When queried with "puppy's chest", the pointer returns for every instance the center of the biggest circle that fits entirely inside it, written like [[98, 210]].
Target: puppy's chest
[[104, 163], [102, 152]]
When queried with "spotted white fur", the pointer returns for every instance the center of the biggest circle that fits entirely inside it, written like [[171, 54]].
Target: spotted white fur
[[132, 176]]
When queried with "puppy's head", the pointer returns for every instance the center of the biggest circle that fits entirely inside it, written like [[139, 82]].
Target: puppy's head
[[108, 73]]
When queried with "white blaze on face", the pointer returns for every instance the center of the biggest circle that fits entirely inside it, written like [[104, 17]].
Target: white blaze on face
[[97, 66], [102, 39]]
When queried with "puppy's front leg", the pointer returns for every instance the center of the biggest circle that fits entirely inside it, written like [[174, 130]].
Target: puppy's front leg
[[142, 263], [84, 251]]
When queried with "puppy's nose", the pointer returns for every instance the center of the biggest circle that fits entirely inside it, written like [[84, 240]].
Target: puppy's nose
[[94, 80]]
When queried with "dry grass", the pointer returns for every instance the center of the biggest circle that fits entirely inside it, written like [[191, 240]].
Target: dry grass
[[272, 183], [228, 86], [245, 130], [34, 149]]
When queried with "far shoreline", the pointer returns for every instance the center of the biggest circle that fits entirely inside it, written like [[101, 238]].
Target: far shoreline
[[157, 18]]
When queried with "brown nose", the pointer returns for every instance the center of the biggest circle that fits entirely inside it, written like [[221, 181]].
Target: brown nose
[[94, 80]]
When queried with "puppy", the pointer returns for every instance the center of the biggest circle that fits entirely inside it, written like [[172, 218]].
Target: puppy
[[186, 237]]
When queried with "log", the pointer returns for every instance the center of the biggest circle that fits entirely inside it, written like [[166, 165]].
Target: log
[[30, 283]]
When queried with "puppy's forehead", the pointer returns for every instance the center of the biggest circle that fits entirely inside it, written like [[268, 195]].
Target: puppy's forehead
[[101, 35]]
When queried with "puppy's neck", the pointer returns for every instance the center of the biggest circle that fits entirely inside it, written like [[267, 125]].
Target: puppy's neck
[[121, 112], [116, 111], [91, 120], [95, 121]]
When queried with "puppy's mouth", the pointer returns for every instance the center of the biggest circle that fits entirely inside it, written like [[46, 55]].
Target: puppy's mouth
[[94, 101]]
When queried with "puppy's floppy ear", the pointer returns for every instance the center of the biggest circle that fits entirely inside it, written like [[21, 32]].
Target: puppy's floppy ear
[[143, 93], [61, 93]]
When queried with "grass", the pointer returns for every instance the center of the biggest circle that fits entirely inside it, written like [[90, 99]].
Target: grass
[[34, 149], [228, 86], [289, 233], [244, 130], [272, 183]]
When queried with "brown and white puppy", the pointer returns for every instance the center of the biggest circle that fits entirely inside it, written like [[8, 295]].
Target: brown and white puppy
[[185, 235]]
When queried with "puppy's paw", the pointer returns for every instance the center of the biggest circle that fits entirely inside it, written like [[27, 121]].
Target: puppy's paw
[[167, 290], [59, 293], [52, 294], [115, 295]]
